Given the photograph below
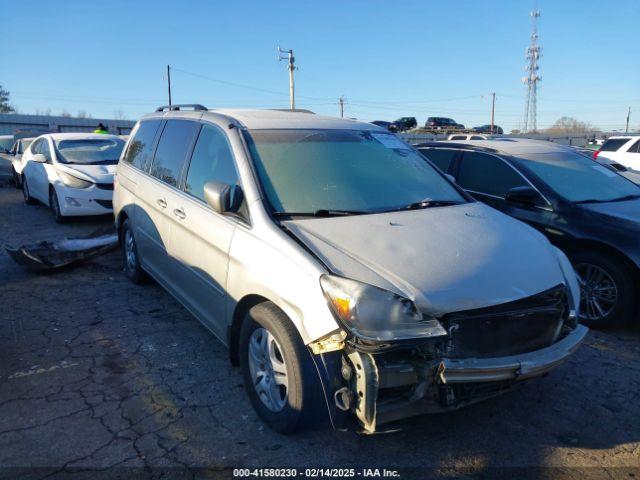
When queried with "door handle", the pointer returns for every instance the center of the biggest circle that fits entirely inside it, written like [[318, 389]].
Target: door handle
[[162, 202], [178, 212]]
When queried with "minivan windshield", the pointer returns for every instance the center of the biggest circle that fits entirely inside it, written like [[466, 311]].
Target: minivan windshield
[[90, 151], [577, 178], [344, 171]]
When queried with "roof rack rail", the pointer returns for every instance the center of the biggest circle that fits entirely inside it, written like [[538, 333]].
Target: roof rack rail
[[193, 106]]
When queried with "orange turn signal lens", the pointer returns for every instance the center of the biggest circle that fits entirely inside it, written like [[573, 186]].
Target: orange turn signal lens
[[342, 306]]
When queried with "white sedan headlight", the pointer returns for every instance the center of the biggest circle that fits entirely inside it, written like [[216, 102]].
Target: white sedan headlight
[[372, 313], [73, 182], [571, 278]]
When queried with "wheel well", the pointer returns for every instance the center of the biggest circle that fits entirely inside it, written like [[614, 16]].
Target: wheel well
[[242, 307], [589, 245]]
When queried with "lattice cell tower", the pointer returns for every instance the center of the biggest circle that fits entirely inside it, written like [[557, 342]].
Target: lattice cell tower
[[534, 52]]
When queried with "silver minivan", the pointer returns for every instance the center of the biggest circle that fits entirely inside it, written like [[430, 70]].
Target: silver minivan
[[349, 278]]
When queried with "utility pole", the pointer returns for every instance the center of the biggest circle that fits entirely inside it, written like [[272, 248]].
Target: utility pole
[[288, 55], [493, 109], [341, 103], [626, 130], [533, 54], [169, 83]]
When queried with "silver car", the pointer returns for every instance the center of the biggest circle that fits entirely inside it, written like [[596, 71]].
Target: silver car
[[345, 273]]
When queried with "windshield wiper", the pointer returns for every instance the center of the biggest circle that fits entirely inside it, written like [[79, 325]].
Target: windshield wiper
[[428, 203], [619, 199], [320, 213]]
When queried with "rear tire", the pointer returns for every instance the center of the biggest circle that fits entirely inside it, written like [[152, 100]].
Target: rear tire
[[607, 291], [26, 194], [55, 206], [270, 345], [132, 268]]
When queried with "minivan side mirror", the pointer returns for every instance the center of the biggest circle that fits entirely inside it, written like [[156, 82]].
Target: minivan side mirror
[[523, 195], [39, 157], [222, 197]]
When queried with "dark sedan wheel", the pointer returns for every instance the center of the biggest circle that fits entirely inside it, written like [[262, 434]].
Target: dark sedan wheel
[[606, 289]]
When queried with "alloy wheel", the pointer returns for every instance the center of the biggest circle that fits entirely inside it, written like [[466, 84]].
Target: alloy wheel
[[268, 369], [598, 291], [130, 250]]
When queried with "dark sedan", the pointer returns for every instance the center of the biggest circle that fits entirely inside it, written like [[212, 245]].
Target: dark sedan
[[586, 209], [488, 129], [384, 124]]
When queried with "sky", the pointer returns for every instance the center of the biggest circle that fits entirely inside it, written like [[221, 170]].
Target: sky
[[388, 59]]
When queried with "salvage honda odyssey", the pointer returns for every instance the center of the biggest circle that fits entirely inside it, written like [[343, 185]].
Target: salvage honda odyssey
[[346, 274]]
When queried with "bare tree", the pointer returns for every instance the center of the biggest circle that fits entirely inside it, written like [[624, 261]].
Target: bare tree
[[64, 113], [83, 114], [570, 125], [5, 106], [119, 114]]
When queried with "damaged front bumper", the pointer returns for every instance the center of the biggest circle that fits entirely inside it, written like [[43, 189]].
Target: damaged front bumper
[[515, 367], [378, 388]]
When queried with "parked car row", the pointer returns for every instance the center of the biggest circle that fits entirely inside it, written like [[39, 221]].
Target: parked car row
[[351, 275], [436, 125]]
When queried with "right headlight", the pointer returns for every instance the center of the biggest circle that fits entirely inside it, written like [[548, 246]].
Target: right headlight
[[73, 182], [570, 277], [373, 313]]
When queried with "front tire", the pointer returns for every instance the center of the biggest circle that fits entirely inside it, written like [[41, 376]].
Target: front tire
[[55, 206], [279, 374], [607, 292], [26, 194]]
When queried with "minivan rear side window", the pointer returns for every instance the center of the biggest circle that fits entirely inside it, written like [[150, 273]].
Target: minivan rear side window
[[613, 144], [211, 161], [175, 143], [139, 149], [441, 157]]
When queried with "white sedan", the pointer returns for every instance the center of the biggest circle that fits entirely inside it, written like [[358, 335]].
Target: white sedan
[[72, 173]]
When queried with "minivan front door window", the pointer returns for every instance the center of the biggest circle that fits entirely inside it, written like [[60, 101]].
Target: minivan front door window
[[211, 161]]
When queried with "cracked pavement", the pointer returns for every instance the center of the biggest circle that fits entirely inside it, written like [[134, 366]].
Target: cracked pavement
[[100, 378]]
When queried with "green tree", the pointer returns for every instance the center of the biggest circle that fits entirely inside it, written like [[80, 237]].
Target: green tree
[[5, 106]]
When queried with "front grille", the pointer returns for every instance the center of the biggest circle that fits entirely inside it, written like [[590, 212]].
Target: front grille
[[105, 203], [104, 186], [507, 329]]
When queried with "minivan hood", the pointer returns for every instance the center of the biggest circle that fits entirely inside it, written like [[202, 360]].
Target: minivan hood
[[93, 173], [445, 259]]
